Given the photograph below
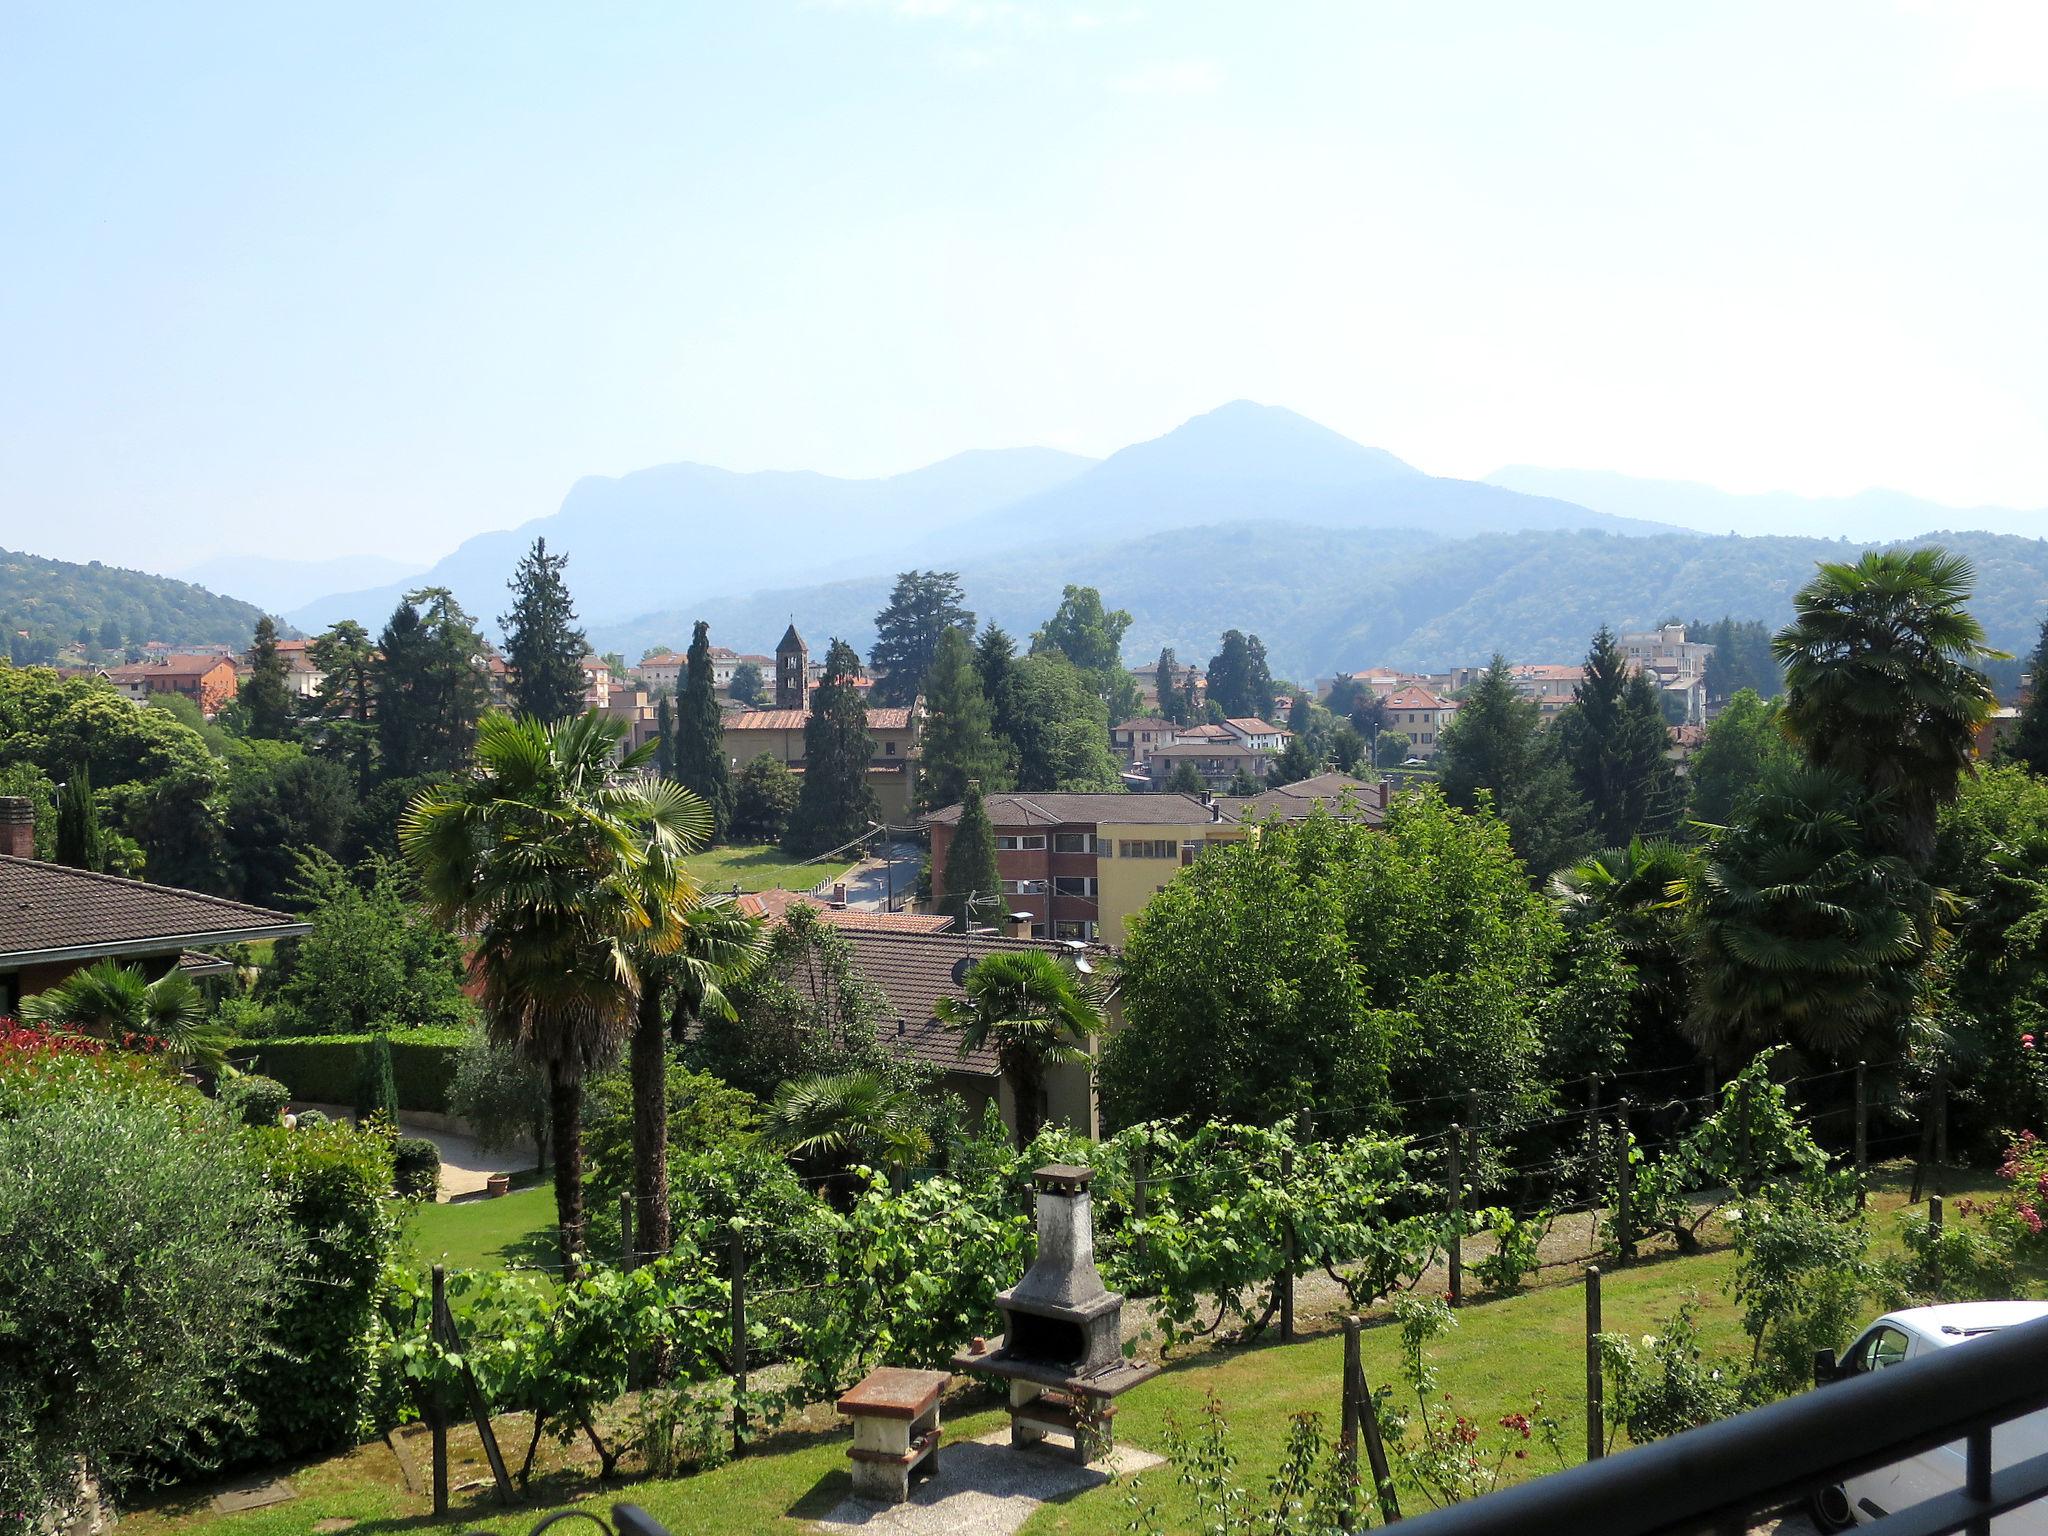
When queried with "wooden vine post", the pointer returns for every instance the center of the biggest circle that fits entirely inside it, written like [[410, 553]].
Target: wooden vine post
[[1456, 1205], [1596, 1436]]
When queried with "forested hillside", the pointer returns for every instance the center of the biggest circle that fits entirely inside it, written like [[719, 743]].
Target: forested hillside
[[1328, 598], [45, 604]]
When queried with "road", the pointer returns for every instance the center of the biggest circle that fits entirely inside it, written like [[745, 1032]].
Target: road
[[869, 885]]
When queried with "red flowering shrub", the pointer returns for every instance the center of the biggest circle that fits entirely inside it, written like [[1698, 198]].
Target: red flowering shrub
[[22, 1038]]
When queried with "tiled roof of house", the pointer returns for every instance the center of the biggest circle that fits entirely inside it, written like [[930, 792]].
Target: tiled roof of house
[[1543, 671], [773, 905], [793, 719], [1206, 732], [1145, 723], [170, 666], [50, 911], [1339, 793], [914, 971], [1412, 697], [1019, 809], [1253, 726]]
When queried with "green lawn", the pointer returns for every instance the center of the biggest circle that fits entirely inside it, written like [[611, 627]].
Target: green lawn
[[760, 869], [515, 1229], [1503, 1353]]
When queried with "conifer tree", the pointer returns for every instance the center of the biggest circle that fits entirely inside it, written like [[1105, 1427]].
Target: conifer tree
[[995, 653], [746, 684], [959, 734], [266, 699], [543, 646], [2029, 744], [1240, 683], [1171, 705], [923, 606], [1497, 747], [429, 692], [80, 842], [1185, 779], [837, 803], [1614, 737], [664, 740], [972, 887], [348, 663], [699, 743]]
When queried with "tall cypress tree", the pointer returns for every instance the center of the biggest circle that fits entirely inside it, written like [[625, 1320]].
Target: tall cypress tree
[[1614, 737], [266, 699], [1170, 703], [970, 875], [80, 842], [837, 803], [665, 740], [699, 747], [543, 646], [2029, 743], [959, 734]]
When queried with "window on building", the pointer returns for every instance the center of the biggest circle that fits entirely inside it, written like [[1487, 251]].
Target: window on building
[[1146, 848], [1067, 930], [888, 749], [1023, 887], [1073, 885], [1073, 842], [1033, 842]]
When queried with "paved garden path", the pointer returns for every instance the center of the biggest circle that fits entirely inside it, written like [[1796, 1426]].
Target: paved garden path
[[984, 1488], [465, 1167]]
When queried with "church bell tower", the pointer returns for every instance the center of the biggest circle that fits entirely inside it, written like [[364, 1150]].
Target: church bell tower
[[792, 666]]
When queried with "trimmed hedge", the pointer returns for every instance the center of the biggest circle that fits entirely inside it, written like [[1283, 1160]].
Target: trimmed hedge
[[322, 1068], [416, 1167]]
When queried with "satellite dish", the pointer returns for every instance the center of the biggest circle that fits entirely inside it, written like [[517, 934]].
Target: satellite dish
[[960, 969]]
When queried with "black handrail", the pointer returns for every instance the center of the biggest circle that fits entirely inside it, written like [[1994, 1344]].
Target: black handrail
[[1721, 1476]]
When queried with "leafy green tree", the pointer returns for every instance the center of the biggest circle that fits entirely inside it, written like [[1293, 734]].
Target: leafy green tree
[[1087, 634], [1056, 721], [1347, 748], [80, 841], [700, 764], [1034, 1014], [1393, 748], [279, 808], [374, 959], [1496, 746], [994, 654], [971, 873], [1882, 683], [923, 606], [1805, 926], [1614, 739], [26, 781], [2029, 744], [501, 1096], [427, 691], [1742, 658], [764, 798], [543, 647], [864, 1115], [746, 684], [1242, 783], [346, 729], [265, 700], [1184, 780], [110, 634], [544, 852], [1742, 743], [959, 741], [1240, 683], [836, 803]]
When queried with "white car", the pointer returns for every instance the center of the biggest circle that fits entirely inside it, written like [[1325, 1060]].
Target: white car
[[1910, 1335]]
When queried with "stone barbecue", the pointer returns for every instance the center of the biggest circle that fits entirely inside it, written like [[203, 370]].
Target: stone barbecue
[[1062, 1349]]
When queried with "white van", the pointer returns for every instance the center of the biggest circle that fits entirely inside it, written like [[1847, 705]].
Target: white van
[[1910, 1335]]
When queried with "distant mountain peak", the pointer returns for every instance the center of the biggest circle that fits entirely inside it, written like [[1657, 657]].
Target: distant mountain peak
[[1246, 440]]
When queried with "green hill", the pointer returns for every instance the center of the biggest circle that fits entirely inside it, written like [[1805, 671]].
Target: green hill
[[47, 604]]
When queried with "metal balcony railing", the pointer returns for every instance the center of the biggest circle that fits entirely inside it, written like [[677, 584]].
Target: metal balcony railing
[[1726, 1476]]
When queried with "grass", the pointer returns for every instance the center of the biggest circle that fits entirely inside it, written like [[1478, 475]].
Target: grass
[[765, 868], [1503, 1352], [515, 1229]]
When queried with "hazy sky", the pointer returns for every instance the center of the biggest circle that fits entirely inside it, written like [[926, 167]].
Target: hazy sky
[[369, 278]]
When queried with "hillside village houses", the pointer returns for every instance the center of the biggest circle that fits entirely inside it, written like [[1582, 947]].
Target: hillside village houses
[[208, 680], [1678, 664]]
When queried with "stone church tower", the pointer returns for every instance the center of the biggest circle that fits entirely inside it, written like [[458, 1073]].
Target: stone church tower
[[792, 666]]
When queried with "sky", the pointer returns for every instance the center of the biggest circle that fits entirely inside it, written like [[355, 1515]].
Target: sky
[[307, 280]]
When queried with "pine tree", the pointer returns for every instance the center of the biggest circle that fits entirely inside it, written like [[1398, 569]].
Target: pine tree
[[1185, 779], [959, 734], [80, 842], [543, 646], [347, 662], [837, 803], [110, 633], [664, 740], [699, 747], [2029, 744], [995, 653], [1497, 747], [266, 699], [972, 887], [1614, 737], [923, 606], [1171, 705], [429, 692]]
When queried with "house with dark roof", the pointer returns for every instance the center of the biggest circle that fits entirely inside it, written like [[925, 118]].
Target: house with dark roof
[[54, 919], [779, 733]]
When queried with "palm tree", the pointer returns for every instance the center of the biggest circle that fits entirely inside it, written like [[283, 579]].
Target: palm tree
[[1803, 929], [1638, 894], [110, 1000], [1027, 1007], [1881, 682], [565, 863], [859, 1112], [720, 947]]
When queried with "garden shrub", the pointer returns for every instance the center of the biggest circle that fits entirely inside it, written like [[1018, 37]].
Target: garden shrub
[[137, 1267], [321, 1069], [416, 1167], [254, 1100], [1665, 1384], [1801, 1279], [376, 1089], [310, 1119], [501, 1097], [1958, 1261], [1516, 1245]]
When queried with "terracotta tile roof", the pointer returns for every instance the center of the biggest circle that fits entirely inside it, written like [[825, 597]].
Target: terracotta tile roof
[[774, 905], [1412, 697], [49, 911], [1018, 809], [793, 719], [1145, 723], [1253, 726], [170, 666], [1549, 672], [1339, 793]]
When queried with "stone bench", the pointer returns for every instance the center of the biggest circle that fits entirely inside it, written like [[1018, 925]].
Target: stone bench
[[895, 1414]]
